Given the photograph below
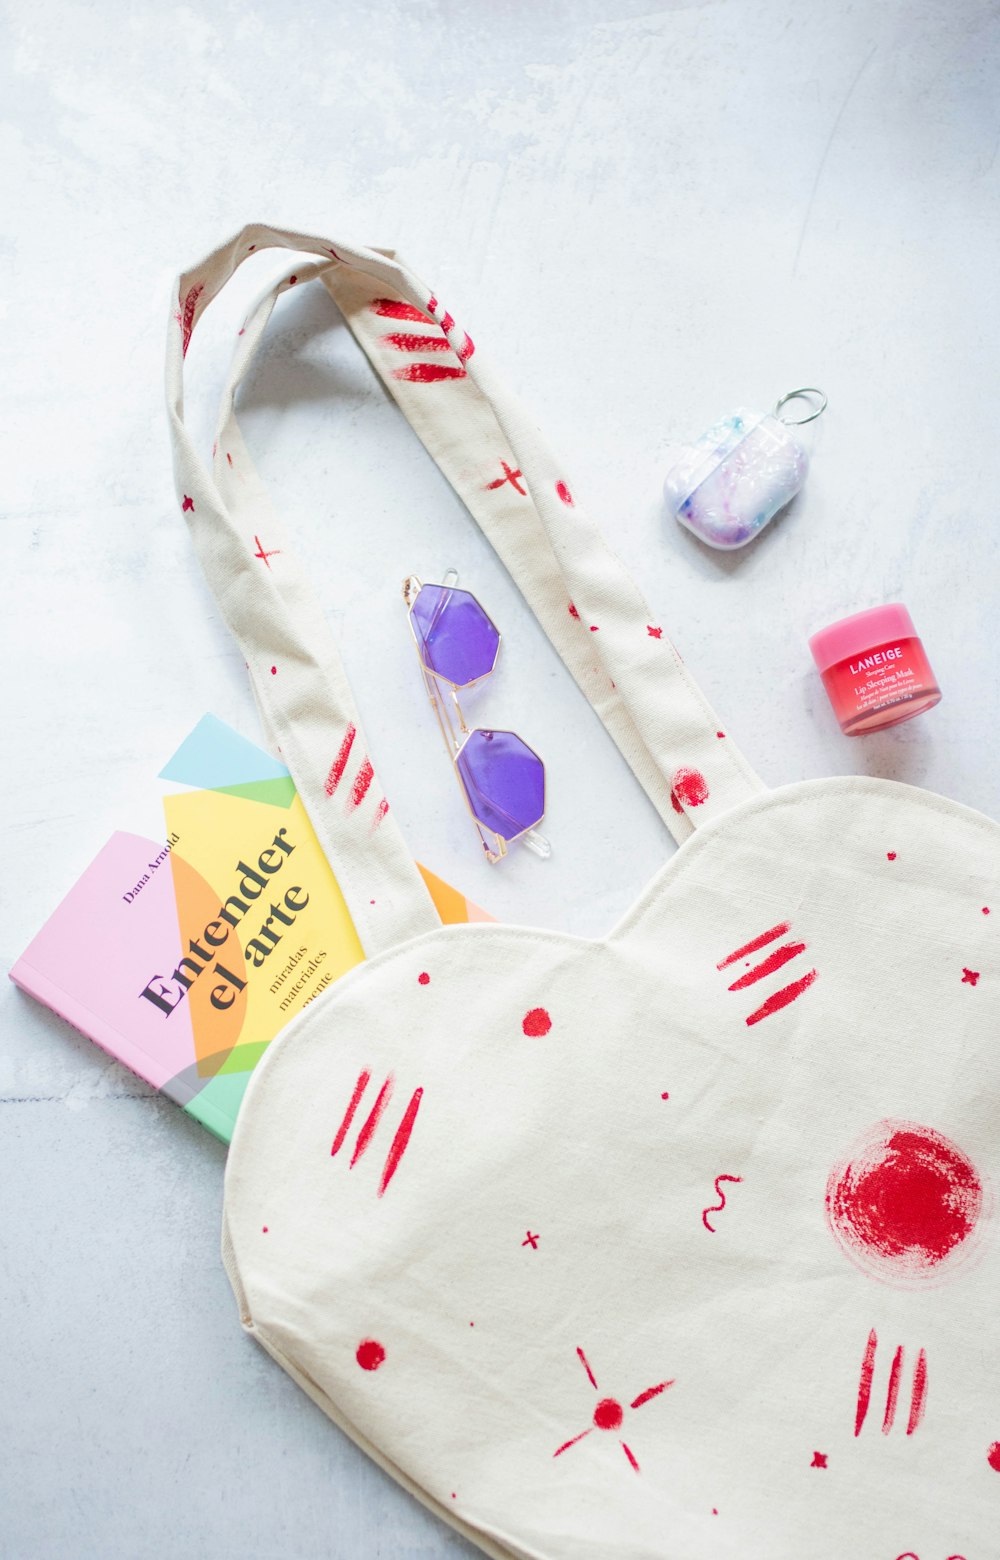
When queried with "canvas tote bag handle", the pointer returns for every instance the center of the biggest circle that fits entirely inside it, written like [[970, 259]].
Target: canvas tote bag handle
[[492, 454]]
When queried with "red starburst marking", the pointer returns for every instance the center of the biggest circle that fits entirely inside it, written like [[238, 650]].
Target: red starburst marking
[[609, 1414]]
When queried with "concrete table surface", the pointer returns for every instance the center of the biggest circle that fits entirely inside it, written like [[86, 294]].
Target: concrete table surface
[[647, 214]]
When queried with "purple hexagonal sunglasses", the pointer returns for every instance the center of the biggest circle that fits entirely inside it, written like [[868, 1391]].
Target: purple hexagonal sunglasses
[[502, 777]]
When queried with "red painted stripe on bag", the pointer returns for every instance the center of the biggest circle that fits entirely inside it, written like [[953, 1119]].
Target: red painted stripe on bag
[[782, 998], [774, 961], [365, 775], [650, 1392], [395, 309], [865, 1381], [399, 1142], [893, 1392], [426, 373], [918, 1401], [374, 1117], [336, 774], [758, 942], [405, 341], [631, 1459], [380, 812], [586, 1366], [465, 351], [359, 1089]]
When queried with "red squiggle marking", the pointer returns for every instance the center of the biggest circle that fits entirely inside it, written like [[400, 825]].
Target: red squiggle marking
[[187, 314], [374, 1117], [865, 1381], [395, 309], [426, 373], [717, 1207], [359, 789], [359, 1089], [918, 1401], [892, 1395], [336, 774], [757, 943], [590, 1374], [400, 1141], [774, 961], [404, 341], [782, 998]]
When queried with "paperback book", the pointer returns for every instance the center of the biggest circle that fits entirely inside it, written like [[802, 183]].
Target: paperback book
[[183, 951]]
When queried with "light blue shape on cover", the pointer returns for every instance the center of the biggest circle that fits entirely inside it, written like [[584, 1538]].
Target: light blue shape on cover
[[215, 756]]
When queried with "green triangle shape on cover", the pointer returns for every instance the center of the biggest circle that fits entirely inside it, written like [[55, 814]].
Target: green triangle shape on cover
[[279, 793]]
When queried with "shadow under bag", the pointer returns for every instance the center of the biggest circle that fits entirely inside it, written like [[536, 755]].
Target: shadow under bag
[[679, 1243]]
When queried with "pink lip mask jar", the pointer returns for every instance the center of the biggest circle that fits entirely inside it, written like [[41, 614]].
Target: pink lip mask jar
[[874, 669]]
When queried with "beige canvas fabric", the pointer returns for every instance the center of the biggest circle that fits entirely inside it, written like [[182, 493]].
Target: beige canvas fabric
[[680, 1243]]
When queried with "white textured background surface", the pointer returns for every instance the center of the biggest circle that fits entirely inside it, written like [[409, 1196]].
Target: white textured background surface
[[645, 215]]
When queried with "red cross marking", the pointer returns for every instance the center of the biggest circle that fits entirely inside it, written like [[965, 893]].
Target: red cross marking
[[531, 1241], [508, 476], [261, 554]]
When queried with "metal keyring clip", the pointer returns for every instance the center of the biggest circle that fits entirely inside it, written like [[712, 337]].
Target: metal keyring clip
[[801, 394]]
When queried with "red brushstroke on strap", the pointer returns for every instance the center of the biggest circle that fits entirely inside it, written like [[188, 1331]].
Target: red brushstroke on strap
[[404, 341], [365, 775], [395, 309], [426, 373], [336, 774]]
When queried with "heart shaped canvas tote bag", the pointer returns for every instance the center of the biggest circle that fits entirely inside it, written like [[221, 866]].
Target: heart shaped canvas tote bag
[[680, 1243]]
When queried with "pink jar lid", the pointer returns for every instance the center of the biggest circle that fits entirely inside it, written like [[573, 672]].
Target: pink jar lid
[[860, 632]]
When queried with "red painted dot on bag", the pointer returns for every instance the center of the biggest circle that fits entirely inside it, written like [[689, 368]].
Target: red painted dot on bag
[[264, 1230], [720, 733], [370, 1354], [423, 977], [986, 909], [690, 787], [564, 494], [890, 855], [274, 671], [993, 1456], [536, 1023], [292, 280]]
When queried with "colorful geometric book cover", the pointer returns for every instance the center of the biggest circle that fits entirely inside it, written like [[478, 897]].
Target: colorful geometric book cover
[[184, 956]]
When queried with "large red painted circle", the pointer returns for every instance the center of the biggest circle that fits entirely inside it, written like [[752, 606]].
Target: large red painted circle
[[903, 1202]]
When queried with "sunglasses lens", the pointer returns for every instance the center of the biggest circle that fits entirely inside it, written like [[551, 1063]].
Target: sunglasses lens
[[457, 640], [504, 781]]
